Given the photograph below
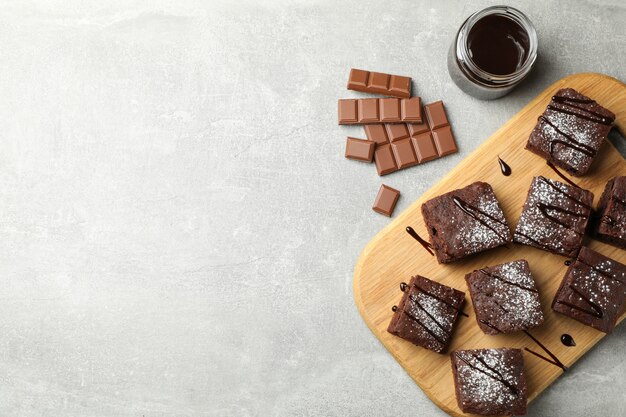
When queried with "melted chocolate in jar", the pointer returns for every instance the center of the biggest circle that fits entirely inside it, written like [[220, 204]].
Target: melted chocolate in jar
[[498, 45]]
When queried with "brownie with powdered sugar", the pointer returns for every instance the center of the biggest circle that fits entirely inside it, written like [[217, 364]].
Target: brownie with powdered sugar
[[610, 226], [505, 298], [427, 313], [555, 217], [571, 131], [464, 222], [593, 290], [490, 381]]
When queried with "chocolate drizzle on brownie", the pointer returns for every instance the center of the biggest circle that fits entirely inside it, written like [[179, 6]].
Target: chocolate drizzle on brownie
[[569, 142], [425, 244], [436, 297], [555, 361], [543, 208], [591, 116], [567, 195], [595, 311], [430, 332], [473, 212], [493, 373], [484, 271]]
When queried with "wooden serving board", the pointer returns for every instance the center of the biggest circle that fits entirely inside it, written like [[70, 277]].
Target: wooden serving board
[[393, 256]]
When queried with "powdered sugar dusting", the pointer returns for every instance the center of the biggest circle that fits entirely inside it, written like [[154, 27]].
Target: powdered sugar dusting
[[477, 236], [513, 290], [489, 382], [534, 224], [586, 132], [597, 286]]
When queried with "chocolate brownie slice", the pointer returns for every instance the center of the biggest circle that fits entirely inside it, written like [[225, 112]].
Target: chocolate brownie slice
[[427, 313], [570, 131], [555, 217], [464, 222], [593, 290], [610, 225], [505, 298], [490, 381]]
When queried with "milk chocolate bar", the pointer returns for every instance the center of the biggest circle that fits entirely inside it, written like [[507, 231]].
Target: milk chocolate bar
[[406, 144], [379, 83], [379, 110]]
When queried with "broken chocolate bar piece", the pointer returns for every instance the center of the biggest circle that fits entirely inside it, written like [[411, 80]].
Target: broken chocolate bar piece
[[379, 83], [379, 110]]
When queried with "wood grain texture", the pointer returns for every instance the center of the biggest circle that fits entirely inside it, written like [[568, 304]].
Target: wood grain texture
[[392, 256]]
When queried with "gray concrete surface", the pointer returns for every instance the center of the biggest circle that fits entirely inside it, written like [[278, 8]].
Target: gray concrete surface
[[179, 226]]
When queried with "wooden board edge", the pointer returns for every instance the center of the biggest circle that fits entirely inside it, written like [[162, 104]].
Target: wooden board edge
[[620, 123]]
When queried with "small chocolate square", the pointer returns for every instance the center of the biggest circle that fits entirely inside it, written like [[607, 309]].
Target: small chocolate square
[[444, 141], [436, 115], [347, 111], [379, 80], [396, 131], [386, 200], [376, 133], [593, 290], [384, 160], [411, 110], [368, 110], [610, 224], [490, 382], [505, 298], [427, 313], [359, 149], [464, 222], [389, 109], [555, 217], [404, 153]]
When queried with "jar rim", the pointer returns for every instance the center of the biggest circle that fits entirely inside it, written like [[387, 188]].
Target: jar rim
[[496, 80]]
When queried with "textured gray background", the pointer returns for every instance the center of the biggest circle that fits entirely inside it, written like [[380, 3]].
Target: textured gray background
[[179, 225]]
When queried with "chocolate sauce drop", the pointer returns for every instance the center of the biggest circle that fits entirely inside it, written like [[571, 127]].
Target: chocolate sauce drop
[[568, 262], [567, 340], [394, 308], [425, 244], [504, 167], [403, 286], [498, 45]]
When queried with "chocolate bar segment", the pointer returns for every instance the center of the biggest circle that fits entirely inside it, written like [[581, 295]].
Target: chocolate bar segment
[[427, 143], [436, 115], [379, 110], [359, 149], [384, 159], [379, 83], [386, 200]]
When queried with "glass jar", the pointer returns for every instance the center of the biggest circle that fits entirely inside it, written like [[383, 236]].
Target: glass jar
[[477, 82]]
